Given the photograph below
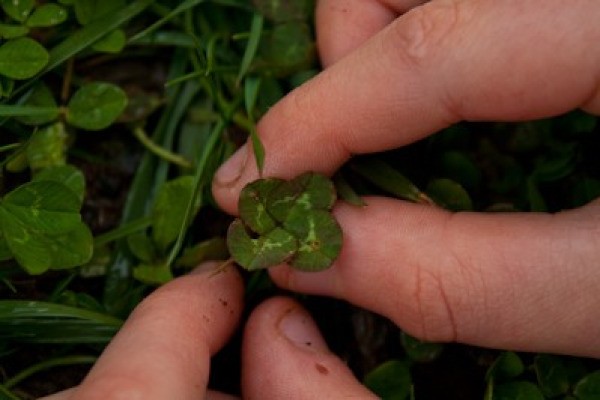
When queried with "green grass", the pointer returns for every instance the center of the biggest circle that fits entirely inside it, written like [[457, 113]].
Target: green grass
[[197, 75]]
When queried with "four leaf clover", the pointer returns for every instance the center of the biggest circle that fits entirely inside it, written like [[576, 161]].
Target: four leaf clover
[[286, 221]]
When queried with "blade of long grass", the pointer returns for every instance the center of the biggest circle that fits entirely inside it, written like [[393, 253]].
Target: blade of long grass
[[6, 394], [186, 5], [199, 175], [91, 33], [48, 364], [43, 322], [26, 111], [17, 309], [151, 174], [382, 175], [256, 28]]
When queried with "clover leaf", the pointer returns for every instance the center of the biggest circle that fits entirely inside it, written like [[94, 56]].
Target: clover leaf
[[286, 221], [42, 227], [95, 106]]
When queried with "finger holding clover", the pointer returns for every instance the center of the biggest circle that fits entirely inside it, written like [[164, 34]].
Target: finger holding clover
[[396, 72]]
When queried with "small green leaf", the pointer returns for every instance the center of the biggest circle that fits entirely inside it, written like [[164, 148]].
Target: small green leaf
[[87, 11], [169, 211], [282, 11], [289, 47], [517, 391], [449, 194], [42, 97], [142, 247], [390, 380], [319, 239], [588, 388], [96, 106], [459, 167], [47, 15], [273, 248], [112, 43], [309, 191], [22, 58], [5, 253], [252, 204], [153, 274], [17, 9], [211, 249], [420, 351], [67, 175], [12, 31], [508, 365], [551, 375], [47, 147]]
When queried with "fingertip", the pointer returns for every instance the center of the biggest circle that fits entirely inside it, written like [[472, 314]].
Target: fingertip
[[285, 356], [163, 350]]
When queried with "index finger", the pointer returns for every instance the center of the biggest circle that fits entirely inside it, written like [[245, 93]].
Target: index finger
[[163, 350], [439, 63]]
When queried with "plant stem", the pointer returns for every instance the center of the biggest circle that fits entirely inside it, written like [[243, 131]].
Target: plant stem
[[161, 152], [122, 231], [56, 362]]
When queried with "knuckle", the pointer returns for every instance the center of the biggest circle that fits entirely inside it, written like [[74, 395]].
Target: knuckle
[[423, 33], [434, 319]]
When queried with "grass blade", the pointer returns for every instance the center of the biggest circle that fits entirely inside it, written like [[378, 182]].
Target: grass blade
[[44, 365], [186, 5], [26, 111], [91, 33], [382, 175], [43, 322], [256, 28]]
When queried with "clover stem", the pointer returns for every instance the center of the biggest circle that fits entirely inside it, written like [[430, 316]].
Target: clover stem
[[161, 152], [222, 267]]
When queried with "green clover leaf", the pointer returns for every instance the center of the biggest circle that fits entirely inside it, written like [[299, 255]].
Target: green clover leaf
[[286, 221]]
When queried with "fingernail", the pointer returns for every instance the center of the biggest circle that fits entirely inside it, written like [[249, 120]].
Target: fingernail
[[232, 169], [299, 328]]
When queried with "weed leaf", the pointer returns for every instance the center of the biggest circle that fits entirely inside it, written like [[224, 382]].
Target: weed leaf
[[22, 58], [169, 211], [588, 388], [17, 9], [96, 106], [390, 380], [47, 15]]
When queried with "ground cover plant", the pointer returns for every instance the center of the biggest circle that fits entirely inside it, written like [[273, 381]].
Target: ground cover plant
[[114, 116]]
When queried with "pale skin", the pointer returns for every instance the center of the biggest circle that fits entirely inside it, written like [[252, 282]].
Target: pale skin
[[397, 71]]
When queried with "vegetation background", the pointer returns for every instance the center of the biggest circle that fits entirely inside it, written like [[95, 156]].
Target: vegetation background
[[114, 116]]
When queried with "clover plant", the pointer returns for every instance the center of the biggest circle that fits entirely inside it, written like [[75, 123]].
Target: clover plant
[[286, 221]]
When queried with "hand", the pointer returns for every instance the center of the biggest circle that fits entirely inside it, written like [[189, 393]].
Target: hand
[[397, 72], [163, 350]]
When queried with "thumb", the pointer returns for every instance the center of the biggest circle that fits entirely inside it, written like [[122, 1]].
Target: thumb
[[513, 281], [437, 64], [285, 357]]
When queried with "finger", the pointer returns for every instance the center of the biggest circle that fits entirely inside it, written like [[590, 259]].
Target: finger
[[513, 281], [343, 26], [164, 348], [285, 357], [66, 395], [439, 63]]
